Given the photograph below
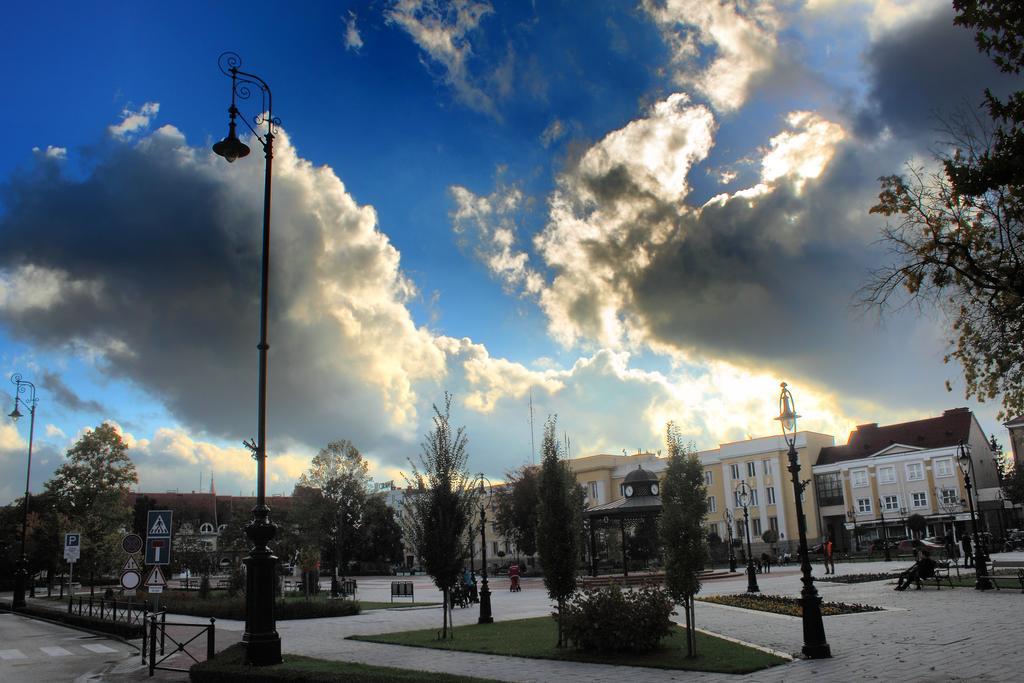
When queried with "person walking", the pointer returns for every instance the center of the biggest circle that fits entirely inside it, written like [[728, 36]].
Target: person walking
[[830, 563], [968, 555]]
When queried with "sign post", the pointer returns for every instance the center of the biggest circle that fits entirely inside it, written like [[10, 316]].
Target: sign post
[[158, 551], [72, 552]]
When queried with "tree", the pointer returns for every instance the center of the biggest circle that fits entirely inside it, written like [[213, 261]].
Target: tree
[[439, 506], [1013, 485], [93, 489], [917, 524], [684, 508], [557, 532], [770, 536], [516, 514], [380, 535], [339, 473], [956, 238]]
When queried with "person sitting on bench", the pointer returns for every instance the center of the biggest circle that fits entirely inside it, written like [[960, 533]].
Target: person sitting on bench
[[924, 568]]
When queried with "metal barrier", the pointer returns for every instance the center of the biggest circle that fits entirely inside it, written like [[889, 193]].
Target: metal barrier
[[125, 612], [158, 622]]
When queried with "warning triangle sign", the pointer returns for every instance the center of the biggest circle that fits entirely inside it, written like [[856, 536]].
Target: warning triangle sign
[[159, 528], [130, 565], [156, 578]]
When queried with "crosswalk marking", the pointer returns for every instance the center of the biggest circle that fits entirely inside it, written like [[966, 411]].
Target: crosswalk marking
[[12, 654], [101, 649], [56, 651]]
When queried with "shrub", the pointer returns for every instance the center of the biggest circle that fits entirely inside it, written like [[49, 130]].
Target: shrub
[[613, 620], [204, 588], [236, 581]]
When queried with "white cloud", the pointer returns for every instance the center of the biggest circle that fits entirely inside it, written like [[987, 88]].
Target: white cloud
[[802, 152], [132, 121], [51, 152], [55, 432], [552, 133], [353, 41], [442, 31], [27, 287], [488, 224], [880, 16], [718, 47]]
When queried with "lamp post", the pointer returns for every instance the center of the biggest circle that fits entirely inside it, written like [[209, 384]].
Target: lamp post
[[852, 516], [484, 493], [982, 582], [885, 531], [263, 644], [732, 553], [22, 386], [743, 499], [815, 645]]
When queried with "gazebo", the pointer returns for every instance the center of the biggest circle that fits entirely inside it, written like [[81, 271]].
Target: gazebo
[[641, 501]]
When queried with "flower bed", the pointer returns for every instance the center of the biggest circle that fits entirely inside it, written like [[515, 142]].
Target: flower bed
[[780, 604], [860, 578]]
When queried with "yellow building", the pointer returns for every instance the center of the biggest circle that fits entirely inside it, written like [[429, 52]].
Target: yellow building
[[762, 463]]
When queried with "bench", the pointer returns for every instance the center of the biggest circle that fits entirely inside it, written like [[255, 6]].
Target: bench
[[402, 589], [1006, 564], [942, 571]]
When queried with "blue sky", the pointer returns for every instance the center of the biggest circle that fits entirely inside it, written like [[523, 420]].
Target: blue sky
[[634, 213]]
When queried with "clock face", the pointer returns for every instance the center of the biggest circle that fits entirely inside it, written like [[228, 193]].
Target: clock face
[[654, 489], [629, 491]]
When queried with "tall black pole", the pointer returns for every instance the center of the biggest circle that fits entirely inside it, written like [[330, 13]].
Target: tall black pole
[[752, 586], [21, 570], [885, 531], [815, 644], [485, 591], [732, 552], [982, 582], [263, 644]]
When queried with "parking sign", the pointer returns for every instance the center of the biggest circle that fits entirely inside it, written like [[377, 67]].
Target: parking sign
[[72, 547]]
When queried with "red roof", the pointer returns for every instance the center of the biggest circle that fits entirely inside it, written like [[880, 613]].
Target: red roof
[[952, 428]]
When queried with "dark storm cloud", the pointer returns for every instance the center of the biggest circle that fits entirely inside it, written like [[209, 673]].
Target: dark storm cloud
[[922, 72], [63, 394], [154, 258]]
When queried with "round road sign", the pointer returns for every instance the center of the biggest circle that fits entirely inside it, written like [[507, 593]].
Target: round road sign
[[130, 580], [132, 543]]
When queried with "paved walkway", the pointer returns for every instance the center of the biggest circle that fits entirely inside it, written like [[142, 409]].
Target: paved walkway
[[927, 635]]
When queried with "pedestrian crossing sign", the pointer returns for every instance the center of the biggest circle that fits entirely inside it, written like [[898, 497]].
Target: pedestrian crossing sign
[[158, 524]]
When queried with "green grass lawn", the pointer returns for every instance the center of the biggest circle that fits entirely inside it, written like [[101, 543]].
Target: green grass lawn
[[368, 605], [784, 604], [228, 666], [536, 638]]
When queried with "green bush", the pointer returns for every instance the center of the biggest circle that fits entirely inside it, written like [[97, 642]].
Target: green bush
[[223, 607], [613, 620]]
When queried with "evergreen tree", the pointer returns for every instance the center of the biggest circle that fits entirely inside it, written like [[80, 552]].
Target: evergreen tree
[[557, 523], [516, 514], [683, 510], [437, 511]]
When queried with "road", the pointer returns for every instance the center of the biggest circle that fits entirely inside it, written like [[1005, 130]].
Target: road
[[33, 651]]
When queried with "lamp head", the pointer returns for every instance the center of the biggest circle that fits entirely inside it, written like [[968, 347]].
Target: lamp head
[[231, 148], [15, 414], [742, 496], [787, 412], [964, 457]]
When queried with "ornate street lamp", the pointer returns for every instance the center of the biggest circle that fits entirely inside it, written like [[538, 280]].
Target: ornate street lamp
[[263, 644], [885, 531], [982, 582], [22, 386], [484, 493], [729, 521], [743, 500], [815, 645], [852, 516]]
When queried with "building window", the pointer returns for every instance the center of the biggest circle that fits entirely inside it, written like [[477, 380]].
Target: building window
[[736, 502], [950, 497], [773, 524], [858, 478], [919, 499], [891, 503], [712, 504], [734, 469], [741, 531], [753, 498], [757, 527], [708, 477], [767, 466], [887, 475], [830, 488], [751, 468], [915, 471], [494, 548], [206, 528], [769, 494], [864, 505], [592, 485], [944, 468]]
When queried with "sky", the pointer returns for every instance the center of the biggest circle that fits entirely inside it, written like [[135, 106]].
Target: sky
[[641, 212]]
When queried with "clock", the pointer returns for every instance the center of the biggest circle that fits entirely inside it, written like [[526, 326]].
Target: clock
[[654, 489], [629, 491]]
